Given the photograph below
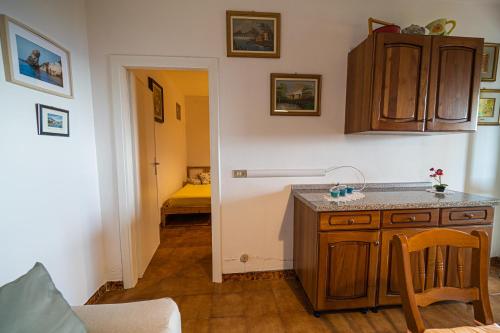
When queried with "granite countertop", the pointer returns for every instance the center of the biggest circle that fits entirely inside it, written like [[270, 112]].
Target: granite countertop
[[381, 196]]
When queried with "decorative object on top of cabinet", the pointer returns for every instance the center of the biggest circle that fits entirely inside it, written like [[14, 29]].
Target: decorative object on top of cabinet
[[413, 83], [33, 60], [177, 111], [295, 94], [490, 62], [438, 27], [414, 30], [157, 100], [436, 175], [253, 34], [52, 121], [386, 26], [489, 105]]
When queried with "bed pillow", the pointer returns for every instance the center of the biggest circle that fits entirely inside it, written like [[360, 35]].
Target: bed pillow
[[33, 304], [194, 181], [204, 178]]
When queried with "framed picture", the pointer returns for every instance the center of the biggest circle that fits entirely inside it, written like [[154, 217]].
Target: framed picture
[[490, 62], [33, 60], [52, 121], [253, 34], [295, 94], [157, 100], [177, 111], [489, 105]]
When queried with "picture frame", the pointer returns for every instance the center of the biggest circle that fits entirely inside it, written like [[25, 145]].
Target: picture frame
[[52, 121], [253, 34], [489, 63], [295, 94], [34, 60], [158, 104], [178, 111], [489, 107]]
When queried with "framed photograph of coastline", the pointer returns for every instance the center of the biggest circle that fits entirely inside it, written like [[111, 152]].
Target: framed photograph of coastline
[[157, 100], [489, 107], [253, 34], [490, 62], [52, 121], [33, 60], [295, 94]]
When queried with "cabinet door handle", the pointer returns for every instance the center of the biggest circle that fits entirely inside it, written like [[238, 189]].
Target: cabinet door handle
[[469, 215], [350, 221], [377, 243]]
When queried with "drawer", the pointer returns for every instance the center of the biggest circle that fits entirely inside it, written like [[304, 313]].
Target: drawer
[[466, 216], [404, 218], [349, 220]]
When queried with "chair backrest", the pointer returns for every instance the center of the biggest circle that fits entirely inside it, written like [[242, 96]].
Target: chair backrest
[[430, 244]]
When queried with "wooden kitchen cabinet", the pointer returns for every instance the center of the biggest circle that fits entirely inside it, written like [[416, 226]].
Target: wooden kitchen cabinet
[[345, 259], [413, 83]]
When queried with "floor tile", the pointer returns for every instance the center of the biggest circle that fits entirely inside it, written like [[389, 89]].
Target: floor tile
[[228, 305], [265, 324], [228, 325], [260, 303]]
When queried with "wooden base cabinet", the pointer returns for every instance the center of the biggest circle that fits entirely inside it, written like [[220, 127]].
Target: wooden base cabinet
[[351, 268]]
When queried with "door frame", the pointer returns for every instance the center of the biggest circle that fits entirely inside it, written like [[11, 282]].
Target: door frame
[[124, 123]]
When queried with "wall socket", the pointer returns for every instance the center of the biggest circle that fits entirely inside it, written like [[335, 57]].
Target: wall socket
[[244, 257], [239, 174]]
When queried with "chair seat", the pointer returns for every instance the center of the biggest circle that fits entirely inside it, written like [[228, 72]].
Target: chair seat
[[467, 329]]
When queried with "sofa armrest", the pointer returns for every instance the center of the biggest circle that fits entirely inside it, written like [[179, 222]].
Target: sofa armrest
[[155, 316]]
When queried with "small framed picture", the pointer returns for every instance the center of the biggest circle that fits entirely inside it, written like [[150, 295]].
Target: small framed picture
[[177, 111], [489, 105], [157, 100], [253, 34], [295, 94], [490, 62], [52, 121], [33, 60]]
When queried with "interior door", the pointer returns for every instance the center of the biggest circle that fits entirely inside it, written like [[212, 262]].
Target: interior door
[[400, 82], [147, 210], [454, 83], [347, 269]]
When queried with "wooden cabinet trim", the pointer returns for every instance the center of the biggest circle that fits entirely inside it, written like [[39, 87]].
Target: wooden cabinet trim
[[349, 220]]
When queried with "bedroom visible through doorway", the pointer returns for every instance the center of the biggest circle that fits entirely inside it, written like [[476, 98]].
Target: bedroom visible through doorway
[[173, 186]]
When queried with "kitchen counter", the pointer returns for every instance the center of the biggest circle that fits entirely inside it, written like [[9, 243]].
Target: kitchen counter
[[384, 196]]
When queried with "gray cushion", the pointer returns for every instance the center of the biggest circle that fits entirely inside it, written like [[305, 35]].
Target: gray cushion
[[33, 304]]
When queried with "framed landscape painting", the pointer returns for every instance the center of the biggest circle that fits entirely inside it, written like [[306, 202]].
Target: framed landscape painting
[[52, 121], [33, 60], [489, 105], [157, 100], [295, 94], [490, 62], [253, 34]]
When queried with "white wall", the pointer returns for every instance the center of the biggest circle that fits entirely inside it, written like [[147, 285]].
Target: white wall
[[197, 131], [49, 193], [316, 37]]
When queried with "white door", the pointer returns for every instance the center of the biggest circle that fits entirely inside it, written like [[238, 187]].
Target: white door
[[147, 210]]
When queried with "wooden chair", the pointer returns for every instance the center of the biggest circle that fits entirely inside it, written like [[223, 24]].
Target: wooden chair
[[434, 240]]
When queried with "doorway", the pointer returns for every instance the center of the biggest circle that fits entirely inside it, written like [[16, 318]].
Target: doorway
[[133, 260]]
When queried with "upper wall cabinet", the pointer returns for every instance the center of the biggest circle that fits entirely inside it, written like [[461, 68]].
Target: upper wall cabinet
[[411, 83]]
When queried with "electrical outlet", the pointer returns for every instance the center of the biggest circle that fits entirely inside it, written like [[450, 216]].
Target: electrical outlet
[[239, 174], [244, 257]]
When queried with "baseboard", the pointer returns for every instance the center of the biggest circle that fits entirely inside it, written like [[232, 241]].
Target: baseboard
[[262, 275], [108, 286], [495, 261]]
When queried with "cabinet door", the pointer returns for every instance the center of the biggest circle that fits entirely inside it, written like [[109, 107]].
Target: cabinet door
[[389, 278], [400, 80], [454, 83], [347, 269]]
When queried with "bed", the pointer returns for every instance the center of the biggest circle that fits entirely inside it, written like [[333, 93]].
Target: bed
[[190, 199]]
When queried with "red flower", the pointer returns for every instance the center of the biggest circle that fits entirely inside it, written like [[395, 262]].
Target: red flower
[[431, 169], [432, 176], [439, 172]]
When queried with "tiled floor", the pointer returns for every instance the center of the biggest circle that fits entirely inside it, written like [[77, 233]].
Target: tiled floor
[[181, 269]]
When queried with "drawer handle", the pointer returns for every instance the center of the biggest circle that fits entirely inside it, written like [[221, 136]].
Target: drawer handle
[[412, 219], [469, 215], [350, 221]]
